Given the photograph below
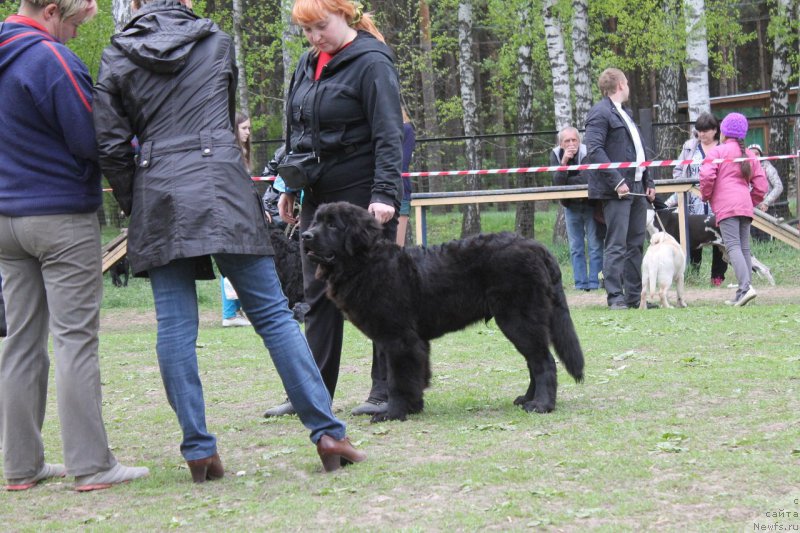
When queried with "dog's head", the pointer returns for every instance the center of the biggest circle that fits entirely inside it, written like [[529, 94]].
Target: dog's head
[[340, 230]]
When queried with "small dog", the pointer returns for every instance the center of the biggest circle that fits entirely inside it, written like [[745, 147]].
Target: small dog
[[120, 272], [663, 263], [703, 231]]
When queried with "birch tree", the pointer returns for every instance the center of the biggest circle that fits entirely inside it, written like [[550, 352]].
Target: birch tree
[[779, 30], [524, 218], [238, 46], [121, 11], [696, 58], [471, 223], [581, 61], [557, 56]]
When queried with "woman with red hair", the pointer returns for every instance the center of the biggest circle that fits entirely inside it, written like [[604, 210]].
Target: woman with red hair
[[343, 107]]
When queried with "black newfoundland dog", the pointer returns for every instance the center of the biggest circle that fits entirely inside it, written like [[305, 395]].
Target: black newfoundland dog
[[402, 298]]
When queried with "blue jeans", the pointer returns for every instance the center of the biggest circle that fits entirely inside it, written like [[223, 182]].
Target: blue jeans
[[229, 307], [259, 290], [582, 227]]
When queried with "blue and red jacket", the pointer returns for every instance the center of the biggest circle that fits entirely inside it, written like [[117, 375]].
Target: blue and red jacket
[[48, 152]]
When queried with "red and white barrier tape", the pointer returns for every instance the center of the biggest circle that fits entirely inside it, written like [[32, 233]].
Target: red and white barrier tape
[[593, 166]]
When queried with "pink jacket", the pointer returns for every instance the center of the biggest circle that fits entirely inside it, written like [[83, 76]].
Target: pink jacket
[[724, 186]]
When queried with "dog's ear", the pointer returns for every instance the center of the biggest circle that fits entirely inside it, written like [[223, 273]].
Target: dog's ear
[[362, 230]]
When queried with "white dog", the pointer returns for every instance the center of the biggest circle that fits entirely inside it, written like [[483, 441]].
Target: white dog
[[663, 263]]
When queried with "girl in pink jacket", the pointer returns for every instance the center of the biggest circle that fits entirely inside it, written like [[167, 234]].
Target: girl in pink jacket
[[733, 189]]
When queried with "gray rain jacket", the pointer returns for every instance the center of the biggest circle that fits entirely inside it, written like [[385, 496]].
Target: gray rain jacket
[[169, 80]]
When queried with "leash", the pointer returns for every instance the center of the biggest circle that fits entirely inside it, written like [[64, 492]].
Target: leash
[[663, 227]]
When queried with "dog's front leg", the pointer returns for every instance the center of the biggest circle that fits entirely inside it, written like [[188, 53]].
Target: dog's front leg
[[407, 362]]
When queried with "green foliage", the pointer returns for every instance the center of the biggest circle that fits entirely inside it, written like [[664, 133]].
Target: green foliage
[[724, 34], [630, 35]]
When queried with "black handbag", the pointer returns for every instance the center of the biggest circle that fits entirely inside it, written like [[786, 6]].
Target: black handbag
[[301, 170]]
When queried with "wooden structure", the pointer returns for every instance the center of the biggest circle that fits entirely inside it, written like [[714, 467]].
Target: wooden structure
[[115, 250], [421, 201]]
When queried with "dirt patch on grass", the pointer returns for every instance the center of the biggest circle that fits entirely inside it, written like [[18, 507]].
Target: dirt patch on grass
[[767, 295]]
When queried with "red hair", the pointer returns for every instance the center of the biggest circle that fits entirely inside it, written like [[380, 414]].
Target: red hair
[[310, 11]]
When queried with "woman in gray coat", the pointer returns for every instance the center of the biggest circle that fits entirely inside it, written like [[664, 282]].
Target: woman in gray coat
[[168, 79]]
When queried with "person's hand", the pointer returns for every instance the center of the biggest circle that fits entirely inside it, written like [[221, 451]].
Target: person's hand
[[623, 190], [383, 213], [763, 206], [286, 207], [651, 194], [569, 153]]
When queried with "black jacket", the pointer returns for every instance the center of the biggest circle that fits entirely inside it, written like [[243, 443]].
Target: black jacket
[[608, 140], [570, 177], [356, 106], [169, 79]]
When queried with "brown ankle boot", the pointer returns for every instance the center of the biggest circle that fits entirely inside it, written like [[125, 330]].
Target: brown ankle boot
[[335, 453], [207, 469]]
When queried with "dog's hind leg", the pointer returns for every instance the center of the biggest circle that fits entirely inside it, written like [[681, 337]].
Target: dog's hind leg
[[532, 341], [679, 288], [408, 362]]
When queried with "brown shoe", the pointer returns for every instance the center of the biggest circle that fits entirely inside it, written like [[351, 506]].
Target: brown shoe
[[335, 453], [207, 469]]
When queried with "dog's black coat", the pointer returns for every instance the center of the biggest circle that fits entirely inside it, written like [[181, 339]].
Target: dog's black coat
[[120, 272], [289, 267], [402, 298]]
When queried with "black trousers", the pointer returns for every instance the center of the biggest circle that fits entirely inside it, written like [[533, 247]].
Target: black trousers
[[324, 322]]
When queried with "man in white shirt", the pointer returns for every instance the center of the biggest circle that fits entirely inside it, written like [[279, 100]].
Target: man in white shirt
[[612, 137]]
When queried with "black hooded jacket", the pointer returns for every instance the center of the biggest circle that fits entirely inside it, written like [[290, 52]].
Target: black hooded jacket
[[355, 107], [169, 80]]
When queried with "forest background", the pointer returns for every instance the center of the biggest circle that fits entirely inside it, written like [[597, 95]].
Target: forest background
[[489, 82]]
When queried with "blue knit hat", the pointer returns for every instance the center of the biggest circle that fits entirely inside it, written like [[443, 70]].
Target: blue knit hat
[[734, 126]]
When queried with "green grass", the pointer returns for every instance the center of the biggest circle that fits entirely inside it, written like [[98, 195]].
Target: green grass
[[687, 420]]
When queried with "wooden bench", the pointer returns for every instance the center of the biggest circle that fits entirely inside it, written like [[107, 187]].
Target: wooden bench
[[115, 250]]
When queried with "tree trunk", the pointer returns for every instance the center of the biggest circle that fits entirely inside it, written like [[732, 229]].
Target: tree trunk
[[696, 58], [559, 66], [121, 11], [471, 223], [524, 220], [289, 34], [430, 119], [238, 45], [581, 61], [562, 101], [669, 140], [779, 95]]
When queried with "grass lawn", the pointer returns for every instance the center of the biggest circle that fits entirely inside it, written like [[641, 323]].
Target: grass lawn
[[688, 420]]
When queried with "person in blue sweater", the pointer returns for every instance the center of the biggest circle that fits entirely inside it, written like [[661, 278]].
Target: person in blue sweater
[[50, 250]]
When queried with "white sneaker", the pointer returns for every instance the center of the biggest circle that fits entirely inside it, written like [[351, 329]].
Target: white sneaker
[[236, 321], [48, 471], [746, 297], [114, 475]]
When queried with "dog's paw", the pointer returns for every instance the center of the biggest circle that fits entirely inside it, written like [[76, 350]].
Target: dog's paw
[[521, 400], [537, 407], [682, 304], [416, 406], [385, 417]]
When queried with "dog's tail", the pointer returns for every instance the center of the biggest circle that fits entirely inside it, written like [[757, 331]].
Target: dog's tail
[[562, 330]]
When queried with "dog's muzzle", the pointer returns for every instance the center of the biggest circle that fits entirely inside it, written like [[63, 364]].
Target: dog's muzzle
[[314, 256]]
